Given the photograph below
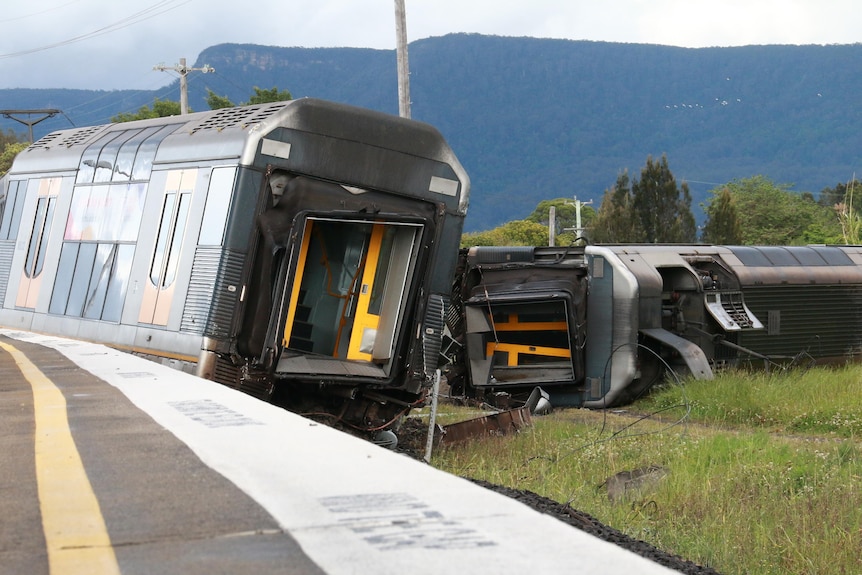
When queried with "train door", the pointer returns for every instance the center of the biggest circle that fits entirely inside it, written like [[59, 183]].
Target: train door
[[349, 289], [160, 283], [31, 275]]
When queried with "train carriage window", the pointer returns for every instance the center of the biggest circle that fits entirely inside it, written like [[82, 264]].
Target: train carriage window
[[218, 201], [88, 166], [92, 280], [63, 282], [126, 155], [106, 166], [90, 159], [95, 218], [43, 244], [98, 286], [38, 238], [177, 240], [12, 206], [76, 222], [162, 238], [118, 282], [147, 153], [81, 279], [132, 212], [102, 213]]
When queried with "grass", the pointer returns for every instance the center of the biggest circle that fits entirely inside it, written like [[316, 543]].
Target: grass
[[764, 471]]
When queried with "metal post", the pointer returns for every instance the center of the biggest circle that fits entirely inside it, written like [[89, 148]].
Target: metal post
[[44, 113], [432, 420]]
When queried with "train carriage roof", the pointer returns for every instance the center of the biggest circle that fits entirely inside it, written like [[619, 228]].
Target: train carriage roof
[[234, 134]]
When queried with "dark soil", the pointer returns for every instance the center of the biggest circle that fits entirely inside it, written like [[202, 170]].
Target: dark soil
[[411, 441]]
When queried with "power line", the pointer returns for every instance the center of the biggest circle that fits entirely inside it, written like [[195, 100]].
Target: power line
[[155, 10], [39, 13]]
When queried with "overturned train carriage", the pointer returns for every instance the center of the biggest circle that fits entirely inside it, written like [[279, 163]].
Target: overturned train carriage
[[596, 326], [283, 249]]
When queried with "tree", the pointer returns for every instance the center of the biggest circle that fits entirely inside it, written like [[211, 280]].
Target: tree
[[260, 96], [616, 221], [216, 102], [771, 214], [566, 218], [271, 95], [663, 209], [722, 222], [653, 209], [517, 233], [160, 109], [10, 137], [8, 155]]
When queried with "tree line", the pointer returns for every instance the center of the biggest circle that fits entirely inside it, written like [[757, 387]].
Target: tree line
[[655, 208], [651, 208]]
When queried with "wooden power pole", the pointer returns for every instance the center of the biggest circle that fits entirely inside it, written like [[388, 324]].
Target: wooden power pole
[[401, 54], [183, 71]]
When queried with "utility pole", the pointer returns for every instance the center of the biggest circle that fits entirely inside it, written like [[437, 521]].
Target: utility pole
[[45, 114], [401, 55], [578, 228], [183, 71]]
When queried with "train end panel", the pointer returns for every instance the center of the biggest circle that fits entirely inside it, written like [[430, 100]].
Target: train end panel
[[520, 322]]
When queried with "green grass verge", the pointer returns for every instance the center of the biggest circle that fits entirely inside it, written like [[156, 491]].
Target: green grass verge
[[764, 472]]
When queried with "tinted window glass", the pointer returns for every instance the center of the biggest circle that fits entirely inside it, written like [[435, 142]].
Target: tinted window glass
[[99, 280], [218, 202], [118, 283], [81, 280], [65, 273]]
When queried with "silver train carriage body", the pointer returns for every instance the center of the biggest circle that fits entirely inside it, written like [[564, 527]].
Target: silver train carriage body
[[300, 251], [645, 309]]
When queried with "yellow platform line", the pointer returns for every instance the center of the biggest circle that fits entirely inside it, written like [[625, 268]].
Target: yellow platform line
[[75, 532]]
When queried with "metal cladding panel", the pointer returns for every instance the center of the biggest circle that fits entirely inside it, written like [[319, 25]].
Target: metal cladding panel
[[822, 321], [612, 325], [213, 292], [7, 250]]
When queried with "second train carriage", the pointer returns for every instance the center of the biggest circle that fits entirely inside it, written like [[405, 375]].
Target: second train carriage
[[596, 326], [296, 250]]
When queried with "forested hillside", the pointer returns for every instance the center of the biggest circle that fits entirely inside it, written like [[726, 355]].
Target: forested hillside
[[534, 119]]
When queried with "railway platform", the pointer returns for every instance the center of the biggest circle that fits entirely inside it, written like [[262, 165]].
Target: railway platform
[[114, 464]]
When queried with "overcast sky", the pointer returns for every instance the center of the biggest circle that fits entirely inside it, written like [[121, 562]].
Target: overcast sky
[[111, 44]]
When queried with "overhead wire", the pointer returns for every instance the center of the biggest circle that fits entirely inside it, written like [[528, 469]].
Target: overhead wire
[[152, 11], [39, 13]]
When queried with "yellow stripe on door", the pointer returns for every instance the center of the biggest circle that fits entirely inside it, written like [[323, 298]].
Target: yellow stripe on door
[[75, 532]]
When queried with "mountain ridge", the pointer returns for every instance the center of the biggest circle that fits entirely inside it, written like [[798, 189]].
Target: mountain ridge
[[535, 119]]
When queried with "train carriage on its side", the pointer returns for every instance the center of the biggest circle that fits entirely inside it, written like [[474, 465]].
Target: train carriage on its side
[[597, 326], [300, 251]]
